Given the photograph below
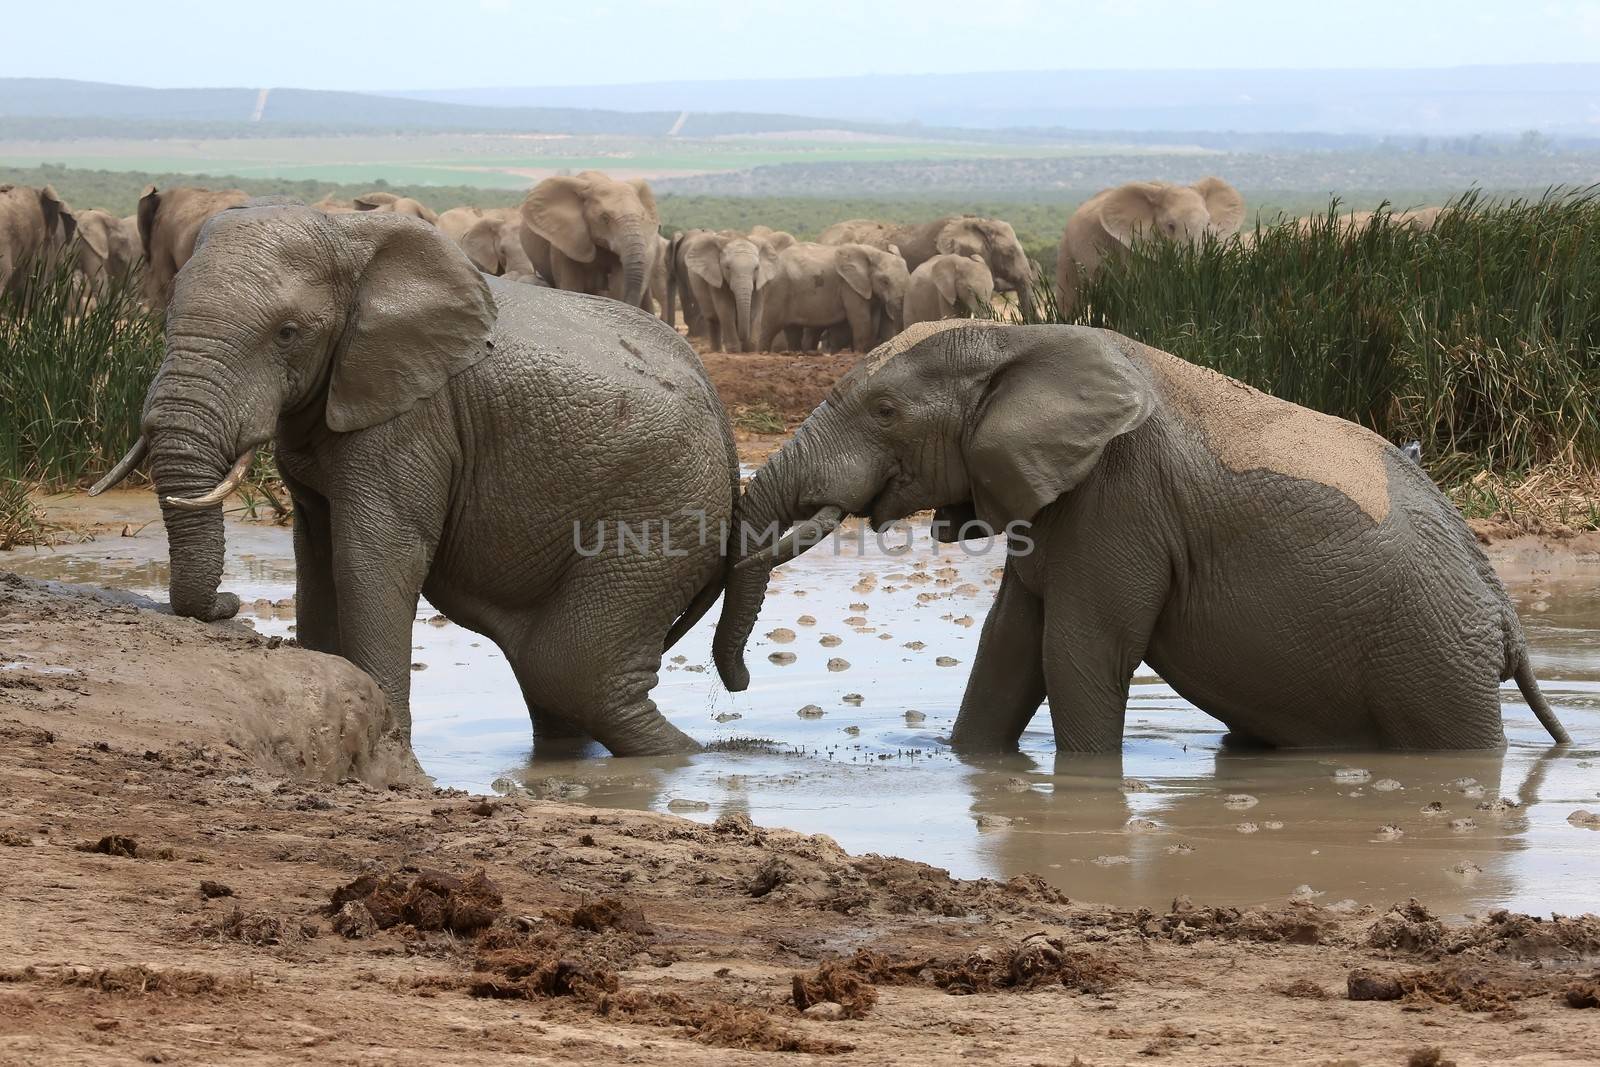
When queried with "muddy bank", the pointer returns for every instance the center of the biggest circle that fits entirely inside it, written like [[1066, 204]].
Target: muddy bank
[[169, 900], [93, 667]]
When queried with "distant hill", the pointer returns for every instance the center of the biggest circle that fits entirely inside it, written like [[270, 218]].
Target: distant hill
[[94, 108], [1554, 98]]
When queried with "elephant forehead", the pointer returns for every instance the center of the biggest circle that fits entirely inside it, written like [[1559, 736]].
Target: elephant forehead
[[1247, 430], [914, 335]]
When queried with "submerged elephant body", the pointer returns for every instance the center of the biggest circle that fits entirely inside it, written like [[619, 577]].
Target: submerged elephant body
[[1290, 573], [473, 440]]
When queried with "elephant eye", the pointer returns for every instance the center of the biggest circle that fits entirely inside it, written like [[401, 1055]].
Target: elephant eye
[[287, 333], [885, 410]]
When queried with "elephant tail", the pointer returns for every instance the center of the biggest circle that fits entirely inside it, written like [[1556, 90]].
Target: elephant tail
[[697, 609], [1541, 707]]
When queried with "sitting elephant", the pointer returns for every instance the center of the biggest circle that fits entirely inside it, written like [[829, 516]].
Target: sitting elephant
[[35, 225], [991, 240], [580, 231], [1113, 219], [107, 249], [1290, 573], [947, 287], [169, 224], [815, 286], [469, 439]]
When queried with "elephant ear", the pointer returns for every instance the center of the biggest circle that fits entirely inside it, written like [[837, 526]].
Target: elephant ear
[[1223, 203], [1057, 398], [944, 279], [57, 214], [647, 197], [481, 243], [703, 257], [421, 315], [854, 267], [97, 236], [767, 260], [958, 239], [374, 201], [554, 211], [1130, 209], [149, 204]]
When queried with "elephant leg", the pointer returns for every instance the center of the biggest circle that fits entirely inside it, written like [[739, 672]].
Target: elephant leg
[[800, 338], [1095, 635], [859, 315], [380, 561], [1007, 681], [727, 321], [315, 600]]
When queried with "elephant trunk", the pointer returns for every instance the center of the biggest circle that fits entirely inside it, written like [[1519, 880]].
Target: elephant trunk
[[634, 251], [742, 280], [769, 506], [184, 465]]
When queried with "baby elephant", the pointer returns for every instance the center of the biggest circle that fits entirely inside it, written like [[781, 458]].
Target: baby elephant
[[1289, 572], [948, 286]]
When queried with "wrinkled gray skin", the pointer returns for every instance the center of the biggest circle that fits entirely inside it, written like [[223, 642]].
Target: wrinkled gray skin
[[818, 286], [1290, 573], [581, 230], [169, 224], [947, 287], [106, 250], [34, 225], [991, 240], [443, 434]]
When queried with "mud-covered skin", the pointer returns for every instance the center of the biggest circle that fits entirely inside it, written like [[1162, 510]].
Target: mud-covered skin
[[1289, 573], [565, 411]]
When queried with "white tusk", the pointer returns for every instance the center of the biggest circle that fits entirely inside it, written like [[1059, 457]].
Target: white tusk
[[229, 483], [124, 467]]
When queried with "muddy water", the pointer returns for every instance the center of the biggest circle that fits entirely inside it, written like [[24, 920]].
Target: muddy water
[[857, 670]]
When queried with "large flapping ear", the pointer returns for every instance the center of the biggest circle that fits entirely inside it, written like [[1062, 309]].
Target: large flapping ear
[[421, 314], [958, 237], [59, 221], [554, 211], [1223, 203], [703, 256], [647, 198], [767, 259], [96, 236], [1058, 396], [149, 204], [1130, 209], [481, 243], [855, 268]]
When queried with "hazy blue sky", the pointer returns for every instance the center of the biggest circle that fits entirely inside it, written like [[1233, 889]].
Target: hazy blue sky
[[340, 44]]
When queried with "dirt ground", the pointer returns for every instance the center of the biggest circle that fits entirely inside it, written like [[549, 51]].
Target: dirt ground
[[193, 874]]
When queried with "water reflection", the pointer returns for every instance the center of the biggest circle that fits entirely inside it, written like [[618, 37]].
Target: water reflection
[[876, 649]]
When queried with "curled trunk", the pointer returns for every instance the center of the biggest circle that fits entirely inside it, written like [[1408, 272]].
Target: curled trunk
[[183, 466]]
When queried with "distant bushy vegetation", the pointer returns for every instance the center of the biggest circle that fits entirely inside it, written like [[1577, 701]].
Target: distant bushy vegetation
[[1480, 338]]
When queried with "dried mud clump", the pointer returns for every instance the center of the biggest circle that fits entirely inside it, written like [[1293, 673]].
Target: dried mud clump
[[1036, 961], [530, 974], [253, 928], [115, 845], [1407, 927], [835, 982], [1508, 933], [716, 1023], [1298, 923], [1429, 1056], [424, 899], [135, 980], [1584, 993], [1472, 988], [1305, 989], [608, 913]]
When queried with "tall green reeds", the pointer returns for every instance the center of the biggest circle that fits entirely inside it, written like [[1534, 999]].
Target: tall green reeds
[[1480, 338], [72, 377]]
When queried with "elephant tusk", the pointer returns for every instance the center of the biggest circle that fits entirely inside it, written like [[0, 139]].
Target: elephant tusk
[[229, 483], [124, 467], [801, 536]]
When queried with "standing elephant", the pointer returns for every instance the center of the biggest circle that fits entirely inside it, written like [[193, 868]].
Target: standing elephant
[[169, 224], [724, 273], [450, 435], [1290, 573], [948, 287], [991, 240], [581, 231], [491, 238], [34, 224], [816, 286], [107, 249], [1113, 219], [395, 204]]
